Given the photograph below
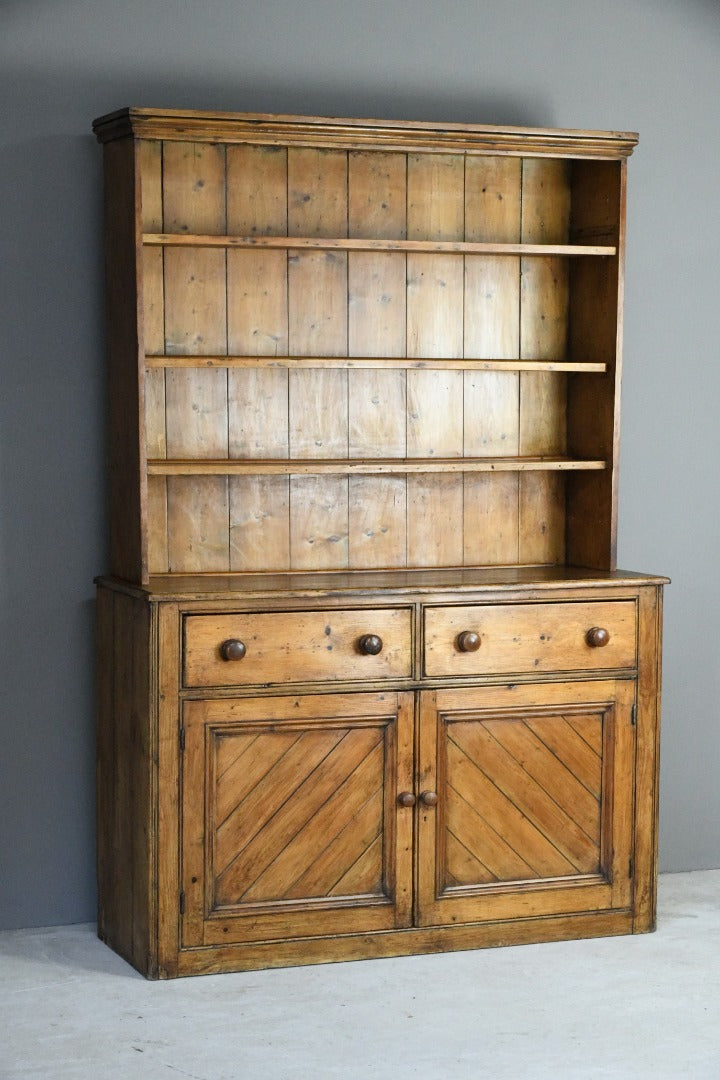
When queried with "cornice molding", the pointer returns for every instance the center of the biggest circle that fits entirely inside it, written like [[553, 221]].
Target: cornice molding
[[355, 134]]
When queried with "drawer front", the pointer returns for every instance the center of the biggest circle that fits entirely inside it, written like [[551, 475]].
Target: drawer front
[[529, 638], [296, 646]]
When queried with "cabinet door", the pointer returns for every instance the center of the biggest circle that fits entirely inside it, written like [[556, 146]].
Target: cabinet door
[[291, 824], [534, 787]]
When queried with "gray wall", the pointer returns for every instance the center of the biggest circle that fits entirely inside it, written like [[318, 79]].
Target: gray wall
[[647, 65]]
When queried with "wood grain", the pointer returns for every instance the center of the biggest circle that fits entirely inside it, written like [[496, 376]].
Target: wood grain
[[342, 244], [539, 637], [405, 135], [196, 321], [126, 742], [257, 289], [296, 646], [338, 355], [267, 845]]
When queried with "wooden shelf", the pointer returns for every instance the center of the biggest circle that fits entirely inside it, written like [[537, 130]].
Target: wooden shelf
[[435, 363], [319, 243], [366, 466]]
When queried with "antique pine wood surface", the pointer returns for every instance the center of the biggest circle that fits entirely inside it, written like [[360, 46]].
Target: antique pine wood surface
[[300, 243], [492, 583], [350, 132], [495, 821], [248, 466], [560, 724], [303, 646], [365, 381], [305, 834], [533, 637], [127, 734]]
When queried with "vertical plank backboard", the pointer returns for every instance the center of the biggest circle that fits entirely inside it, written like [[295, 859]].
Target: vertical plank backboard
[[435, 300], [435, 511], [377, 522], [317, 301], [318, 522], [542, 517], [318, 411], [196, 323], [544, 302], [258, 326], [317, 318], [376, 304], [198, 523], [492, 331], [257, 190], [259, 523], [377, 327], [435, 414], [376, 412], [490, 519]]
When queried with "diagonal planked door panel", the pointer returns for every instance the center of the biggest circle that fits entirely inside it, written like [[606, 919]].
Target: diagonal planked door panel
[[488, 770], [297, 813], [532, 804]]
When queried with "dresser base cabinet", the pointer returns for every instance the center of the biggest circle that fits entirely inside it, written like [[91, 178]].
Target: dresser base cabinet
[[306, 819]]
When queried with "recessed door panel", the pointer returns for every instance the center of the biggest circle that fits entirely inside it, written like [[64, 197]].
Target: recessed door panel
[[534, 799], [291, 823]]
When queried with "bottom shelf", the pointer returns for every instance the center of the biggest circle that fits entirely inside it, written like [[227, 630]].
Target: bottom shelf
[[256, 523]]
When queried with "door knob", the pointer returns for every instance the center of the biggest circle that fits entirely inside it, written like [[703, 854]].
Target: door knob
[[429, 798], [233, 649], [468, 641], [370, 644]]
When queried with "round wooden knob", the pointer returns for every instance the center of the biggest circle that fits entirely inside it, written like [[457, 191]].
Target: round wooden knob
[[597, 636], [406, 798], [429, 798], [370, 644], [232, 649], [468, 641]]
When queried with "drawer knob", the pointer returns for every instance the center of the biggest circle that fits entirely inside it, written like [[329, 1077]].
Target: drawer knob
[[370, 644], [232, 649], [468, 641], [429, 798], [406, 798], [597, 636]]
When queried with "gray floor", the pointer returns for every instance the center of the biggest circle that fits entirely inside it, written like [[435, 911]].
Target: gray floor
[[624, 1007]]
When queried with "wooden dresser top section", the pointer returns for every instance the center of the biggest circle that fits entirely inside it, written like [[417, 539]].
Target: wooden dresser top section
[[355, 134]]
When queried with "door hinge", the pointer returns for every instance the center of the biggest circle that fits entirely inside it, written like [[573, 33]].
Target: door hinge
[[182, 903], [633, 715], [182, 739]]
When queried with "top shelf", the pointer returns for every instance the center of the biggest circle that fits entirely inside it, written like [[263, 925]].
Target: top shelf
[[320, 243]]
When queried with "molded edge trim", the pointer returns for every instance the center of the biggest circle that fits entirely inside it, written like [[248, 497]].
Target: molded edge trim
[[354, 133]]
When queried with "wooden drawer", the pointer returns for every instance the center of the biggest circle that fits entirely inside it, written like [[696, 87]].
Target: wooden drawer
[[296, 646], [529, 638]]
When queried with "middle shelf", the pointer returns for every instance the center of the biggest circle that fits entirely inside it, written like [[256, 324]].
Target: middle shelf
[[360, 362], [366, 466], [320, 243]]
